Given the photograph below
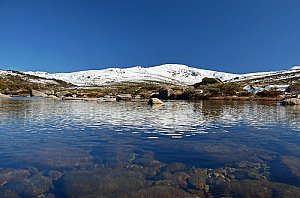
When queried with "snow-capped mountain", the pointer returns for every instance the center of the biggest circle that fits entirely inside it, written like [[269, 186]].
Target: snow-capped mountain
[[168, 73]]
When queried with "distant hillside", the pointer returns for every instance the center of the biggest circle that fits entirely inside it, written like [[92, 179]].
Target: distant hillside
[[12, 81]]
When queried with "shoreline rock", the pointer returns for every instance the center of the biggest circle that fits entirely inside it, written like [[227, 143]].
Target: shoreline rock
[[37, 93], [154, 101], [291, 101], [4, 96]]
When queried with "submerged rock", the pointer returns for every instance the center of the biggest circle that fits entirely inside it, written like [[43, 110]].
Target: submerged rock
[[60, 157], [174, 167], [32, 186], [99, 182], [8, 193], [159, 192], [254, 188], [11, 175], [165, 94], [293, 165]]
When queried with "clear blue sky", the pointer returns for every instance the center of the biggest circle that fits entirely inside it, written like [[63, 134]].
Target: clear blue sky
[[226, 35]]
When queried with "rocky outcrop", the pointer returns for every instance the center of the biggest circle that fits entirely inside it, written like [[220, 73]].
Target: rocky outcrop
[[37, 93], [126, 97], [291, 101], [154, 101], [4, 96]]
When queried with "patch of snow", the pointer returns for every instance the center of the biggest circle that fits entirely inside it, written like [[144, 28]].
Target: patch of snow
[[252, 89], [296, 67], [277, 87], [43, 81]]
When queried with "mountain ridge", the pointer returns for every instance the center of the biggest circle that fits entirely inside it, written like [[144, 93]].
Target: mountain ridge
[[177, 74]]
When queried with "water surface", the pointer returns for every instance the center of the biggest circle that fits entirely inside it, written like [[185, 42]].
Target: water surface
[[56, 148]]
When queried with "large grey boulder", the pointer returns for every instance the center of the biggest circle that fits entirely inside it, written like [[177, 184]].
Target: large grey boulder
[[4, 96], [291, 101], [126, 97], [154, 101], [37, 93]]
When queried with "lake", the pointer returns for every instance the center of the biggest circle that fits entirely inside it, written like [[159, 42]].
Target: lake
[[56, 148]]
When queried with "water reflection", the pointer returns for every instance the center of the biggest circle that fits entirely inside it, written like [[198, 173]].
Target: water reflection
[[237, 140]]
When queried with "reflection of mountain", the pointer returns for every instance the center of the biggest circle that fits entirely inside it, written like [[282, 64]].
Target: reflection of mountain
[[173, 119]]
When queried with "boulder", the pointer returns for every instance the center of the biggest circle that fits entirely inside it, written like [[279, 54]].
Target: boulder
[[165, 94], [291, 101], [105, 99], [154, 101], [52, 96], [138, 97], [126, 97], [63, 93], [36, 93], [4, 96]]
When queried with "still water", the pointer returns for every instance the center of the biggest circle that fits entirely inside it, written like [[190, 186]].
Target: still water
[[55, 148]]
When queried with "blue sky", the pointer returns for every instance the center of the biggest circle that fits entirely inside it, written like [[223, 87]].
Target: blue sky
[[226, 35]]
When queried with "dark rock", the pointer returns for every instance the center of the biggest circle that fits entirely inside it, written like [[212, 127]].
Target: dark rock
[[293, 165], [179, 179], [12, 175], [7, 193], [99, 182], [254, 188], [160, 192], [54, 175], [174, 167], [59, 157], [197, 181], [31, 186], [165, 94]]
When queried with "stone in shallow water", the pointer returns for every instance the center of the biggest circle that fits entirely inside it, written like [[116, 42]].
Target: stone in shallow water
[[159, 192], [12, 175], [54, 175], [174, 167], [293, 164], [254, 188], [31, 186], [99, 182], [59, 157], [7, 193]]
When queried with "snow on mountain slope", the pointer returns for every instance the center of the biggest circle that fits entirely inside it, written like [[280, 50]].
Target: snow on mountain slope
[[168, 73], [292, 73]]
